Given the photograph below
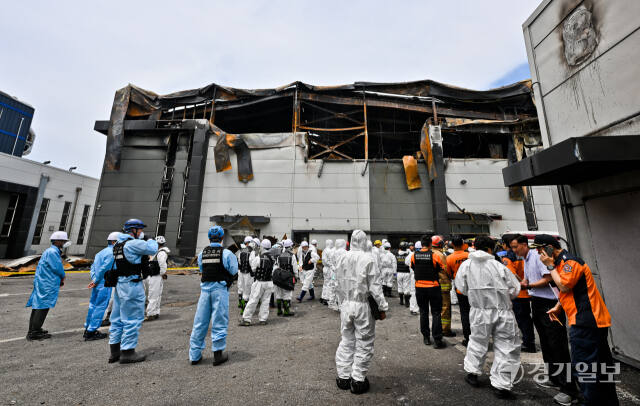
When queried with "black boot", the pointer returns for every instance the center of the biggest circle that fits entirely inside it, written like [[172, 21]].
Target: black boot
[[287, 309], [358, 387], [472, 380], [312, 294], [407, 298], [279, 302], [401, 299], [106, 322], [271, 302], [302, 293], [131, 356], [115, 353], [219, 357], [36, 320], [94, 335], [343, 383], [390, 291]]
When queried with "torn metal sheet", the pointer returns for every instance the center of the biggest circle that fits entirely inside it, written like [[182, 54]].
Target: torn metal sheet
[[427, 154], [411, 172]]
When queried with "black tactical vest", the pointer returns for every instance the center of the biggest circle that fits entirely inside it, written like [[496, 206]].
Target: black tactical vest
[[402, 267], [265, 269], [424, 269], [244, 265], [212, 268], [124, 267], [307, 265], [284, 261]]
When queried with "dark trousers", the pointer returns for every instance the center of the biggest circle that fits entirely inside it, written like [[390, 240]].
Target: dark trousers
[[554, 344], [590, 346], [465, 308], [522, 311], [430, 297]]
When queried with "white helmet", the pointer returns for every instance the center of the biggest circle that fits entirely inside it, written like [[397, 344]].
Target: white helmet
[[287, 243], [418, 245], [266, 244], [314, 242], [161, 240], [304, 244], [59, 236], [113, 236], [256, 242], [248, 239], [386, 245]]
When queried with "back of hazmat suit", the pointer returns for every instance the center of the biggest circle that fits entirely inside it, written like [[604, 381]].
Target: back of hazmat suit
[[339, 251], [263, 266], [327, 266], [357, 277], [490, 287], [388, 267]]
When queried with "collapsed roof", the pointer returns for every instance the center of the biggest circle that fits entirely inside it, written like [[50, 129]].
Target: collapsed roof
[[365, 120]]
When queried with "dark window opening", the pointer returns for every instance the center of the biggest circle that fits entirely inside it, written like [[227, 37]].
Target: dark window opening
[[42, 216], [83, 224], [469, 145], [273, 116], [10, 217], [65, 216]]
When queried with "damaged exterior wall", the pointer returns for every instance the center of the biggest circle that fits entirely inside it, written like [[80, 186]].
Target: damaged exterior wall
[[582, 91]]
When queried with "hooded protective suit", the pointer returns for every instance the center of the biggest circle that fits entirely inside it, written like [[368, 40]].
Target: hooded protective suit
[[327, 269], [155, 283], [413, 303], [307, 274], [262, 265], [404, 278], [388, 266], [490, 287], [339, 251], [245, 273], [357, 277], [128, 300]]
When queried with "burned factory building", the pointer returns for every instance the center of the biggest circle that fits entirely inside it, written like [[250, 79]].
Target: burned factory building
[[393, 159]]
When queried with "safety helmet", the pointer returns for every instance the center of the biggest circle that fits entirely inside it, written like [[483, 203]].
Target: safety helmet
[[386, 245], [215, 233], [248, 239], [417, 245], [304, 244], [113, 236], [403, 245], [266, 244], [287, 243], [132, 224], [377, 242], [59, 236], [314, 242], [161, 240], [437, 241]]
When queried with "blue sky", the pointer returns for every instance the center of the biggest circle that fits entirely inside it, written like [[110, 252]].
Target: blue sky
[[68, 58], [520, 72]]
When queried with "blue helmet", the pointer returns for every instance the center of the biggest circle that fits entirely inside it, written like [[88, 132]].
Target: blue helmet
[[133, 224], [216, 233]]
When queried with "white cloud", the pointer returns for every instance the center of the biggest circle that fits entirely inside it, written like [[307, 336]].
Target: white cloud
[[67, 59]]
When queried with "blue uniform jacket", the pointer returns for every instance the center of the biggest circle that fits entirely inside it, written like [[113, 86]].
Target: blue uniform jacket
[[101, 264], [46, 284], [229, 261], [134, 250]]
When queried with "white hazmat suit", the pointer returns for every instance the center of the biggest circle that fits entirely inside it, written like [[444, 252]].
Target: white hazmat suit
[[262, 287], [404, 278], [327, 269], [154, 284], [388, 266], [357, 277], [490, 287], [339, 251], [413, 303], [307, 274]]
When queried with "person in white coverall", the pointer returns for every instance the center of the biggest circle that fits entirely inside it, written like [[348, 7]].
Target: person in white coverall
[[357, 278], [388, 266], [154, 283], [413, 303], [263, 265], [245, 273], [327, 266], [307, 260], [490, 287], [404, 274], [285, 260], [339, 251]]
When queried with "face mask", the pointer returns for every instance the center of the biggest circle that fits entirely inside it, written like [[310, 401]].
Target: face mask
[[141, 235], [66, 244]]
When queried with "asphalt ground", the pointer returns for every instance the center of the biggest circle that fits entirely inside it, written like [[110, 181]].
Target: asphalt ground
[[289, 361]]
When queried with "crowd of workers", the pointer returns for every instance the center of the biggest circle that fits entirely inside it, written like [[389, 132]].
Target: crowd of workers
[[504, 289]]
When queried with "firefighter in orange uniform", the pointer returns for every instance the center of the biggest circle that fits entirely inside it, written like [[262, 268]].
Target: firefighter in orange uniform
[[453, 264], [588, 318]]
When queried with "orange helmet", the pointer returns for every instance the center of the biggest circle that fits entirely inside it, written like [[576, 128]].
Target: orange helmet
[[437, 241]]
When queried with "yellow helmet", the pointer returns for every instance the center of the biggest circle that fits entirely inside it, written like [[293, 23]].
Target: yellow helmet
[[377, 242]]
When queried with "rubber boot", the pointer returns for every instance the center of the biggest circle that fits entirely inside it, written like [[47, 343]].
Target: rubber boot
[[244, 305], [302, 293], [131, 356], [390, 291], [240, 302], [219, 357], [407, 298], [95, 335], [343, 383], [115, 353], [106, 322], [36, 320], [401, 299], [271, 301], [312, 294], [358, 387], [279, 301], [287, 309]]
